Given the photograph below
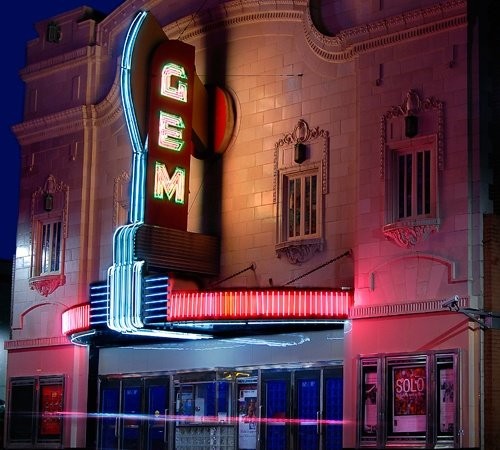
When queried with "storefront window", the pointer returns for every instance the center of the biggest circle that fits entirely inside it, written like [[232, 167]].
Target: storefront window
[[407, 395], [35, 409], [51, 407], [203, 402], [369, 399], [247, 413], [448, 398], [203, 411], [244, 409], [418, 404]]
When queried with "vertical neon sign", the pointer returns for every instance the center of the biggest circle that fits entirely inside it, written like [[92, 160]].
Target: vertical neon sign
[[171, 89]]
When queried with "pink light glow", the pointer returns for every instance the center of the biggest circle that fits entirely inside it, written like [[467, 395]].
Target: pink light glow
[[76, 319], [236, 305]]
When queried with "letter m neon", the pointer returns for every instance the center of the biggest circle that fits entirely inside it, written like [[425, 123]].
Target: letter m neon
[[166, 185]]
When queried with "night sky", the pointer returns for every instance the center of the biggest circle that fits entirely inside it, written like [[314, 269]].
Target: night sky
[[17, 30]]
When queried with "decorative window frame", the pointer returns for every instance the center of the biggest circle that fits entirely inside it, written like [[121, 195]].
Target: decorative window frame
[[301, 249], [408, 233], [438, 392], [45, 284]]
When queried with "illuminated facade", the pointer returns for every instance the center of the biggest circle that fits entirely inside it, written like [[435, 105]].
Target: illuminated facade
[[241, 223]]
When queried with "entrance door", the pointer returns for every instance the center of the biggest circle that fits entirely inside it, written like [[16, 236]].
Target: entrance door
[[318, 409], [276, 411], [332, 408], [109, 407], [156, 391], [131, 408], [134, 414], [307, 409], [301, 410]]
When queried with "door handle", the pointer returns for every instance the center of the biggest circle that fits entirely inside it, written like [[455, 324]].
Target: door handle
[[259, 426], [165, 426]]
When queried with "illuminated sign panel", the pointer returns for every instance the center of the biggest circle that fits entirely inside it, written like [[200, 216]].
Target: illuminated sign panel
[[172, 74]]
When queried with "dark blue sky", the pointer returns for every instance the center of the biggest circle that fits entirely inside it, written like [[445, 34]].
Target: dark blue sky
[[17, 29]]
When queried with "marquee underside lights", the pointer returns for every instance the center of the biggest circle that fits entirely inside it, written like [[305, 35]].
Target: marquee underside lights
[[204, 311]]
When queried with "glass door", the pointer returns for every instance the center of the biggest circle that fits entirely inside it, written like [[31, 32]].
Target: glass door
[[307, 409], [332, 408], [275, 411], [130, 424], [157, 395], [301, 409], [120, 407], [109, 407]]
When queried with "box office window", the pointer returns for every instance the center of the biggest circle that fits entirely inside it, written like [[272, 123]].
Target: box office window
[[35, 407], [408, 399]]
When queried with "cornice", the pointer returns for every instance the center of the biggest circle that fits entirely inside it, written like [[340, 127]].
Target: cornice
[[72, 120], [344, 46], [110, 108], [42, 128], [18, 344], [69, 59], [409, 25], [399, 309], [236, 13]]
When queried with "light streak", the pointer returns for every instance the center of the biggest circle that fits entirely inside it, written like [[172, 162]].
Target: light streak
[[198, 420]]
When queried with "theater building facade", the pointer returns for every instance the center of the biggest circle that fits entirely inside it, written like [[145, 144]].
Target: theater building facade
[[255, 225]]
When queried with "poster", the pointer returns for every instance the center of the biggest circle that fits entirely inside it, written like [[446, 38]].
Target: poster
[[247, 417], [447, 401], [51, 405], [410, 404], [370, 406]]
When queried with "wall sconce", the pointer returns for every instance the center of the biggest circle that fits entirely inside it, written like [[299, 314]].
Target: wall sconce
[[48, 202], [300, 153], [411, 126], [411, 105]]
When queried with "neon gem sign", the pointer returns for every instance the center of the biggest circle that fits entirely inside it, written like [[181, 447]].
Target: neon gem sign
[[170, 133], [171, 90], [164, 184], [179, 93]]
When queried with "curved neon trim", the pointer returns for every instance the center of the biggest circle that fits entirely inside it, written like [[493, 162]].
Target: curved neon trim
[[124, 277], [139, 149]]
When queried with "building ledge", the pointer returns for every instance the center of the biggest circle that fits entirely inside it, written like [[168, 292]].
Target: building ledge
[[399, 309], [17, 344]]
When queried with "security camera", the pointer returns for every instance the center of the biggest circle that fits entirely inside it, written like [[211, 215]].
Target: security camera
[[452, 303]]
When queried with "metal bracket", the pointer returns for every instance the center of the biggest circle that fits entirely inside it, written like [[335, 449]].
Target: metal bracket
[[485, 319]]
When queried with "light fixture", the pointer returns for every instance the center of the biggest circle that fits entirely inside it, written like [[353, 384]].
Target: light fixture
[[48, 202], [299, 155], [411, 125], [410, 107]]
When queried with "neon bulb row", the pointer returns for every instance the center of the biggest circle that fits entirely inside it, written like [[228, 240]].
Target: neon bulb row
[[76, 319], [256, 306]]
